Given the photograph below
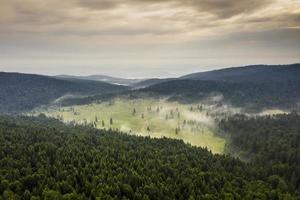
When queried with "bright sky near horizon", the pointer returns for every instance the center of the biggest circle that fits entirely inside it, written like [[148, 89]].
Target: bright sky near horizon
[[146, 38]]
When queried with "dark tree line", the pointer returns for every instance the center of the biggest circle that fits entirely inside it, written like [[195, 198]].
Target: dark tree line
[[42, 158], [271, 144]]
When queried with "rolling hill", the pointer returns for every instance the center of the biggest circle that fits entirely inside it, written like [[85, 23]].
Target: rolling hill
[[254, 73], [103, 78], [21, 92], [248, 95], [251, 87], [259, 86], [149, 82]]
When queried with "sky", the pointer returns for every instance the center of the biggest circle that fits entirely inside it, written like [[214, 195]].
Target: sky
[[146, 38]]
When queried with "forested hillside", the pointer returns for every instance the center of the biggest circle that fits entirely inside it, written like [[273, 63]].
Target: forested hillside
[[252, 88], [246, 94], [272, 143], [44, 159], [21, 92], [255, 73]]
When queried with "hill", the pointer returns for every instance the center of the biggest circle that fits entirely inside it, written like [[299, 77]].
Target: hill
[[243, 94], [104, 78], [44, 159], [250, 87], [149, 82], [270, 142], [255, 73], [253, 87], [21, 92]]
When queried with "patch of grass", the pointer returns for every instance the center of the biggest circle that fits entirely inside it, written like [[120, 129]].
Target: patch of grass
[[147, 117]]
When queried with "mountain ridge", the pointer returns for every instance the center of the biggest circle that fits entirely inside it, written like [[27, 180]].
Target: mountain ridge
[[25, 91], [252, 73], [104, 78]]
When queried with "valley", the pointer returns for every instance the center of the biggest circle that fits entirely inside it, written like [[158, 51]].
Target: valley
[[212, 137], [150, 100], [192, 123]]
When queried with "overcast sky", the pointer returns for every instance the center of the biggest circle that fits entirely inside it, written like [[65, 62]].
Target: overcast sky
[[146, 38]]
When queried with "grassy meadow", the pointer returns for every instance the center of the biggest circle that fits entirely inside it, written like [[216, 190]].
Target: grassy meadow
[[147, 117]]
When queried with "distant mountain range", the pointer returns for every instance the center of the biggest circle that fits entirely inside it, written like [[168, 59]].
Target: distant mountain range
[[258, 85], [254, 73], [20, 92], [149, 82], [104, 78]]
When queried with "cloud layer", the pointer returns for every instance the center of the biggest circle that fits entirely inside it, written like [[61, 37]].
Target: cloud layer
[[136, 32]]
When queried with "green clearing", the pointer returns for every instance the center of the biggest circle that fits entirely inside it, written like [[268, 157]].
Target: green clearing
[[147, 117]]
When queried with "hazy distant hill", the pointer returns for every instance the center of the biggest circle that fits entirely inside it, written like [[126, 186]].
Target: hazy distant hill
[[251, 86], [149, 82], [255, 73], [256, 86], [25, 91], [103, 78]]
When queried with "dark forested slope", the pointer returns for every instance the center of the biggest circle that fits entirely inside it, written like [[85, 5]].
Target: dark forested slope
[[251, 87], [20, 92], [273, 143], [255, 87], [244, 94], [44, 159], [255, 73]]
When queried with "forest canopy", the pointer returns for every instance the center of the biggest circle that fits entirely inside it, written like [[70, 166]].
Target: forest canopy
[[272, 143], [42, 158]]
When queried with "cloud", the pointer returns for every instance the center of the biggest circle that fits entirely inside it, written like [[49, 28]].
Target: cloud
[[137, 29], [55, 11], [96, 4], [228, 8], [153, 22], [140, 17], [219, 8]]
